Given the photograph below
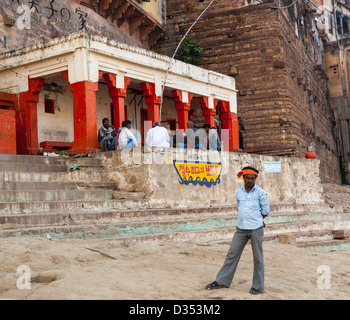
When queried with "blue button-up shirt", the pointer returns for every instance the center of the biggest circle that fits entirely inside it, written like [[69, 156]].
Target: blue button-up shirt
[[251, 207]]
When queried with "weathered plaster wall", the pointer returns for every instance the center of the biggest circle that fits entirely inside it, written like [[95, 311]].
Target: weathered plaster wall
[[57, 126], [297, 183], [49, 19]]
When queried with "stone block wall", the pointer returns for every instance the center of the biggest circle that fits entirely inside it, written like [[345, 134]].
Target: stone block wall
[[282, 98], [153, 172]]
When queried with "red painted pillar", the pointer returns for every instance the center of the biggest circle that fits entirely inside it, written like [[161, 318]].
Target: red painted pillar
[[85, 116], [152, 101], [182, 108], [208, 114], [27, 118], [118, 98], [229, 121]]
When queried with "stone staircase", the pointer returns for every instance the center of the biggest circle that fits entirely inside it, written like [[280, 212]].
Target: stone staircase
[[40, 195], [38, 191]]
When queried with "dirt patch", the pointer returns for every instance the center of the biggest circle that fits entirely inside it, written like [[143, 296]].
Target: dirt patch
[[65, 269]]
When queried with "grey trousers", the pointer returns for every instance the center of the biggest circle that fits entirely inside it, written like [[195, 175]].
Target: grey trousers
[[238, 243]]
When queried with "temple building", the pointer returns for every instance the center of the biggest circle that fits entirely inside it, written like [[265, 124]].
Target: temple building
[[54, 93]]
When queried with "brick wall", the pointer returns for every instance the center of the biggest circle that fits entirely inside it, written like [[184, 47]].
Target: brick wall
[[281, 104]]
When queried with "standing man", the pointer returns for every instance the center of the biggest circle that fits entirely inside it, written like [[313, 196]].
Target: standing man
[[253, 207]]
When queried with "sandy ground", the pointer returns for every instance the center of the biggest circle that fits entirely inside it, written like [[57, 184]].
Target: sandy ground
[[65, 269]]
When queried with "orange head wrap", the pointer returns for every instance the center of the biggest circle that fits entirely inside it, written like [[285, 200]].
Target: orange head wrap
[[248, 170]]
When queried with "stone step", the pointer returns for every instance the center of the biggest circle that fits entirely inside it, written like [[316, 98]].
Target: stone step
[[83, 161], [98, 185], [96, 231], [35, 185], [284, 217], [32, 167], [306, 236], [146, 232], [10, 158], [138, 223], [306, 226], [48, 207], [133, 214], [154, 214], [113, 217], [326, 245], [64, 176], [52, 185], [54, 195], [118, 194]]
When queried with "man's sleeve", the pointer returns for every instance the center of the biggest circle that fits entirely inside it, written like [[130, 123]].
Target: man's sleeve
[[100, 135], [149, 137], [167, 136], [132, 137], [264, 204]]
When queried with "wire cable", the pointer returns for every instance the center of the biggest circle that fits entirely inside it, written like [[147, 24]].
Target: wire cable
[[173, 56]]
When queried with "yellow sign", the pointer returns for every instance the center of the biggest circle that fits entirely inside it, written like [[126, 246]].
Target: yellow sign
[[195, 172]]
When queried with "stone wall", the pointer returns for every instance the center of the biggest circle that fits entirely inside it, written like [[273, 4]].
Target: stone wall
[[49, 19], [154, 173], [282, 85]]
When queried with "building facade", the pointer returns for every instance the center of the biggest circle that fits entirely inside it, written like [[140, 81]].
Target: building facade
[[62, 89], [277, 58], [65, 66], [335, 34]]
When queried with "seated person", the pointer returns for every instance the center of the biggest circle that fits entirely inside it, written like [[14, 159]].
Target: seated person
[[158, 137], [213, 142], [179, 139], [107, 136], [126, 140], [194, 137]]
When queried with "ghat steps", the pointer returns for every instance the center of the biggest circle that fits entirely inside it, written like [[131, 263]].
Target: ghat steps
[[39, 195]]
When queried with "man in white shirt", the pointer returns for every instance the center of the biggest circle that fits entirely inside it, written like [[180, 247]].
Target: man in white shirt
[[125, 139], [158, 137]]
